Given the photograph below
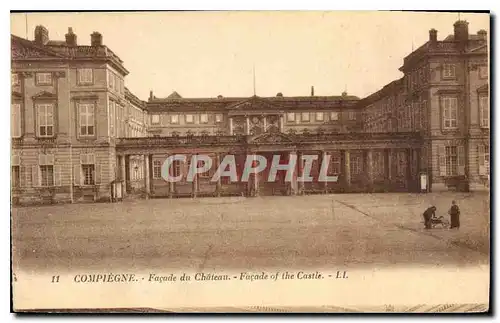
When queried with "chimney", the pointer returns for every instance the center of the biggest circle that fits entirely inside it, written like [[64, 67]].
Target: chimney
[[433, 35], [344, 94], [482, 34], [312, 90], [461, 31], [70, 37], [279, 94], [150, 95], [96, 39], [219, 96], [41, 35]]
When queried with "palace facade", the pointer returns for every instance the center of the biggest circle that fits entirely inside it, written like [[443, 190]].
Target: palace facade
[[76, 129]]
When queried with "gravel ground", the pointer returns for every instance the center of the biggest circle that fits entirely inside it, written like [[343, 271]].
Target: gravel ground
[[320, 231]]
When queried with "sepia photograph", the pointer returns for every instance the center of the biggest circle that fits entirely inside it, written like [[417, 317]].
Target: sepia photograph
[[250, 161]]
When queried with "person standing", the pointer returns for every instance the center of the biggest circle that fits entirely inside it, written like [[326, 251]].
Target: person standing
[[428, 215], [454, 213]]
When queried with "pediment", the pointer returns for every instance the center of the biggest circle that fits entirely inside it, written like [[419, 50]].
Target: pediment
[[25, 49], [484, 88], [480, 49], [252, 104], [44, 95], [16, 95], [270, 138]]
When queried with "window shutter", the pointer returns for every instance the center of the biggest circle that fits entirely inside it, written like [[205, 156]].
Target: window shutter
[[77, 175], [15, 160], [98, 174], [42, 160], [461, 160], [49, 159], [481, 161], [35, 177], [442, 160], [57, 175]]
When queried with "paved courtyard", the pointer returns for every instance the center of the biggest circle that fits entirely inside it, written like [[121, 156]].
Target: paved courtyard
[[319, 231]]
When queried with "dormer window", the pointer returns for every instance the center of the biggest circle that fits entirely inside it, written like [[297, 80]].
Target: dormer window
[[449, 71]]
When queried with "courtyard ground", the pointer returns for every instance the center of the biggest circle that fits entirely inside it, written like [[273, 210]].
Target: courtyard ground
[[318, 231]]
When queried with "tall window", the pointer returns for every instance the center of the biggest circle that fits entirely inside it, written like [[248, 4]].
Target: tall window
[[290, 117], [44, 78], [334, 115], [355, 164], [378, 163], [305, 116], [484, 159], [45, 116], [319, 116], [157, 169], [85, 76], [189, 118], [111, 80], [203, 118], [174, 118], [15, 124], [334, 167], [176, 168], [14, 79], [483, 72], [87, 119], [448, 70], [88, 172], [484, 111], [401, 166], [218, 117], [46, 175], [112, 109], [352, 115], [450, 110], [451, 160]]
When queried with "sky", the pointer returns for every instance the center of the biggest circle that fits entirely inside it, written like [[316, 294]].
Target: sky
[[206, 54]]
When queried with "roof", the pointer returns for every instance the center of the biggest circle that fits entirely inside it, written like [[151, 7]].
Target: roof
[[24, 49]]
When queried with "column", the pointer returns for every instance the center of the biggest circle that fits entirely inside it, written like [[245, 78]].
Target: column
[[146, 176], [369, 168], [247, 130], [230, 126], [347, 169], [123, 174], [171, 185], [255, 177], [324, 156], [281, 123], [195, 178], [409, 182], [388, 163], [264, 121], [294, 185], [300, 171], [218, 184]]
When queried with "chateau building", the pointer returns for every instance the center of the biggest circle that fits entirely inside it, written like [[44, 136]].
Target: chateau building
[[76, 129]]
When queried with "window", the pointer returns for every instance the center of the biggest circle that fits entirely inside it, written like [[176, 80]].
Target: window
[[484, 111], [85, 76], [155, 119], [45, 114], [15, 122], [483, 72], [176, 168], [16, 176], [112, 108], [204, 118], [14, 79], [88, 172], [352, 115], [378, 164], [319, 116], [46, 175], [111, 80], [157, 169], [205, 174], [334, 168], [451, 156], [189, 118], [401, 166], [484, 159], [290, 117], [86, 112], [44, 78], [218, 117], [334, 116], [174, 118], [449, 112], [355, 164], [305, 116], [448, 71]]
